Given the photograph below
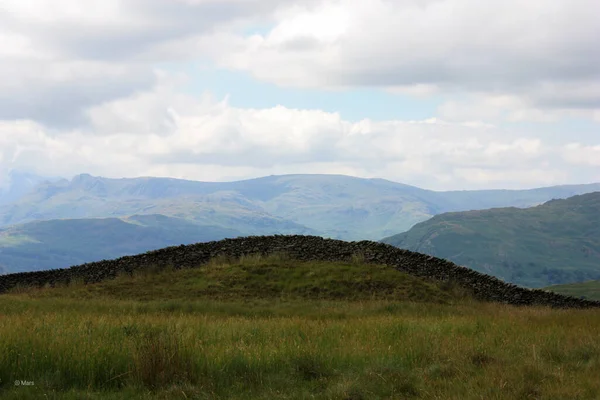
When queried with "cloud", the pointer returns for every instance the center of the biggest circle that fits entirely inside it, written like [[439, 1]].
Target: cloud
[[123, 29], [579, 154], [58, 59], [207, 139], [83, 88], [542, 54]]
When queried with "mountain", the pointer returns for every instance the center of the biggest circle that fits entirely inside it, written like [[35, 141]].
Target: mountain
[[333, 206], [17, 184], [556, 242], [52, 244]]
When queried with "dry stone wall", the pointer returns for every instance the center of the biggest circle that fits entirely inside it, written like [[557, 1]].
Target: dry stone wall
[[484, 287]]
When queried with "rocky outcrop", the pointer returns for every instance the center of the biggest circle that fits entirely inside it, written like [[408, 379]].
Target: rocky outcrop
[[305, 248]]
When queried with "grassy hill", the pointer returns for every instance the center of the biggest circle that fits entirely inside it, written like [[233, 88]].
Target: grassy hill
[[53, 244], [589, 290], [273, 327], [557, 242], [272, 277]]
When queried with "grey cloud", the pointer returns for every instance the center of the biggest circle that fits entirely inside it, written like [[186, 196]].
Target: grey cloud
[[56, 94], [301, 44], [500, 47], [75, 61], [152, 22]]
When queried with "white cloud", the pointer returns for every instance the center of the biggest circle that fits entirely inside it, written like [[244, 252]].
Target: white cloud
[[82, 90], [542, 55], [578, 154], [509, 60], [59, 58], [210, 140]]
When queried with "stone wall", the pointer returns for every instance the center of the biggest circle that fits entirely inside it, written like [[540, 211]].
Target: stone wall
[[484, 287]]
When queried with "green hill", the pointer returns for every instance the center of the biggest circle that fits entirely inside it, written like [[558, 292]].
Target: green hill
[[556, 242], [54, 244], [273, 277], [589, 290]]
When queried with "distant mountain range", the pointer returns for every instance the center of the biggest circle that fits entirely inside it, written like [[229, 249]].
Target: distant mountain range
[[330, 205], [553, 243], [334, 206]]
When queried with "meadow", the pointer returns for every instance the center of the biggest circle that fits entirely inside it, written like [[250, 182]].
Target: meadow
[[274, 328]]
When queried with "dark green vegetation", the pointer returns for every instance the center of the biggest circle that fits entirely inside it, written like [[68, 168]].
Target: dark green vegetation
[[557, 242], [271, 327], [53, 244], [589, 290]]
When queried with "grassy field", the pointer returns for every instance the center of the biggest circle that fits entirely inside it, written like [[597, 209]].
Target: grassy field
[[590, 289], [274, 328]]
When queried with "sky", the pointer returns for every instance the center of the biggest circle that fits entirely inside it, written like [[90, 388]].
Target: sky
[[440, 94]]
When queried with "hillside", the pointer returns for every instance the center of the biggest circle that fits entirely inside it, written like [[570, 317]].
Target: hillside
[[589, 290], [43, 245], [334, 206], [255, 277], [243, 324], [300, 248], [557, 242]]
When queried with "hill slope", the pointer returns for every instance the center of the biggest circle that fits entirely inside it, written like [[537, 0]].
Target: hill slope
[[58, 243], [329, 205], [556, 242], [300, 248], [264, 278]]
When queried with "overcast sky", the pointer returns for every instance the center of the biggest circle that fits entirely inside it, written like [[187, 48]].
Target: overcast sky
[[441, 94]]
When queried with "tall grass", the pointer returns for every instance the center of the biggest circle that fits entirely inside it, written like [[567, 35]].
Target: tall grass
[[417, 350], [125, 348]]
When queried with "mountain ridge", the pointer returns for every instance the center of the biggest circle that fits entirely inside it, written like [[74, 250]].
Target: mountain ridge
[[336, 206]]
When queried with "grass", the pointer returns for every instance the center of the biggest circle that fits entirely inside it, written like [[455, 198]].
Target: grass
[[256, 277], [132, 339], [589, 290]]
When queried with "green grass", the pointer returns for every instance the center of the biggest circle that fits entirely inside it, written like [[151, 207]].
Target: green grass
[[589, 290], [256, 277], [262, 334]]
